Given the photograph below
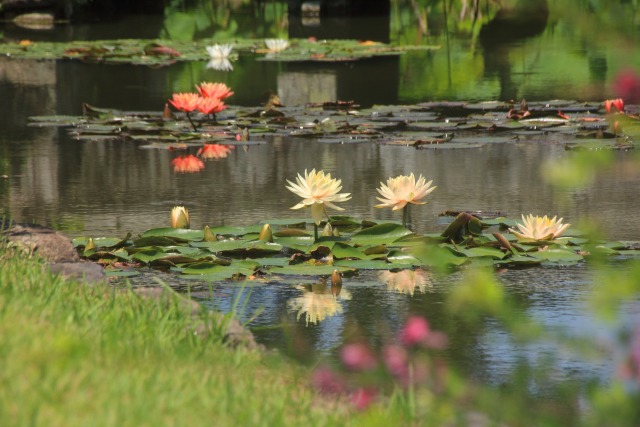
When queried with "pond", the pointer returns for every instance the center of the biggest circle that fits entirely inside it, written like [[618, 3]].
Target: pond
[[112, 187]]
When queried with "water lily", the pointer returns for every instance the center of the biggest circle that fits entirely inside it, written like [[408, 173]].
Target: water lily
[[187, 164], [219, 51], [539, 228], [406, 281], [180, 217], [618, 104], [215, 151], [318, 191], [214, 90], [186, 102], [402, 190], [211, 106], [276, 45]]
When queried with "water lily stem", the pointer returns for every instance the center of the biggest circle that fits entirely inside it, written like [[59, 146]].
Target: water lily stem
[[315, 232], [405, 215], [191, 121]]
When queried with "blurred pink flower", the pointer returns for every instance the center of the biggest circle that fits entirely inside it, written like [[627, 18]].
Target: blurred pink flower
[[626, 85], [325, 380], [397, 361], [358, 357], [362, 398], [415, 331]]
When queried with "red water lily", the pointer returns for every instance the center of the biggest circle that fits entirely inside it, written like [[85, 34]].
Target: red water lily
[[214, 90], [186, 102], [187, 164], [215, 151], [618, 104], [211, 105]]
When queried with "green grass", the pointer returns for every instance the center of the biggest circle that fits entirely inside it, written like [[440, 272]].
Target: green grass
[[72, 355]]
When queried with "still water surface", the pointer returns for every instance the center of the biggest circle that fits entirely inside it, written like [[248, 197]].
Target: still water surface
[[114, 187]]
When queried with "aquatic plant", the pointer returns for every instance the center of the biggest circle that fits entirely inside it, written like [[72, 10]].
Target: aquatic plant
[[618, 104], [318, 191], [539, 228], [276, 45], [219, 51], [180, 217], [214, 90], [211, 106], [402, 190]]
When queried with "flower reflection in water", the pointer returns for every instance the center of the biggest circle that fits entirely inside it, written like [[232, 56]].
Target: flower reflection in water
[[406, 281], [317, 302], [187, 164], [215, 151]]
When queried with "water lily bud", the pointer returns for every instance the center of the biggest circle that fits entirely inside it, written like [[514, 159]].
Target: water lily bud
[[89, 247], [336, 232], [180, 217], [327, 230], [208, 235], [266, 234]]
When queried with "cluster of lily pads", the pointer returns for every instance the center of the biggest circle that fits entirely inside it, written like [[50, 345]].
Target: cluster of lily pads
[[164, 52], [433, 125], [293, 246]]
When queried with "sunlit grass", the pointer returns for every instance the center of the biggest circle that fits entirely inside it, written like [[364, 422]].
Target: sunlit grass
[[72, 355]]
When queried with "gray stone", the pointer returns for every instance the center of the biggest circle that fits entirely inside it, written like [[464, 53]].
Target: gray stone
[[46, 243], [87, 272]]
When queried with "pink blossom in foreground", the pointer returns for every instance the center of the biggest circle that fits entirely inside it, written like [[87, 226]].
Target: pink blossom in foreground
[[415, 331], [327, 381], [362, 398], [358, 357]]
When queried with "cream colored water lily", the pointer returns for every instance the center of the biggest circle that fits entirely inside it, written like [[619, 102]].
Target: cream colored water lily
[[539, 228], [276, 45], [179, 217], [403, 189], [319, 191]]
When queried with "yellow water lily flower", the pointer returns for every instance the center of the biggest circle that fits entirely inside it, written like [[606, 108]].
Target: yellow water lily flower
[[318, 191], [403, 189], [179, 217], [539, 228]]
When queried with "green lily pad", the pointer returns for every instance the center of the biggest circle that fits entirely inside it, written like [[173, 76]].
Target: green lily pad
[[385, 233], [308, 270]]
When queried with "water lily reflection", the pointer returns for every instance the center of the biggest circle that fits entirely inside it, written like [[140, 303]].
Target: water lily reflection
[[317, 302], [406, 281], [215, 151], [220, 64], [187, 164]]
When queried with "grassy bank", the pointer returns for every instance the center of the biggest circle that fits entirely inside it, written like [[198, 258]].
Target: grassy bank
[[72, 355]]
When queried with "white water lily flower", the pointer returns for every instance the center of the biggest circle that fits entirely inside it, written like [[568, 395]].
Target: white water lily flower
[[318, 191], [403, 189], [276, 45], [219, 51], [539, 228]]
